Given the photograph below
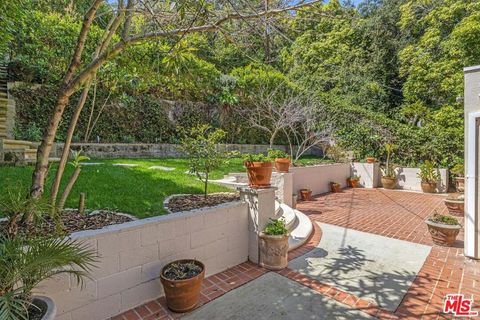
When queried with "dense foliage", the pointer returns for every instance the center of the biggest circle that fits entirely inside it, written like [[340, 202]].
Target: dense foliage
[[389, 71]]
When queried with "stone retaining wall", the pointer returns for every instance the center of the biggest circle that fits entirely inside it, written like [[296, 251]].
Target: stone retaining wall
[[132, 255], [164, 150]]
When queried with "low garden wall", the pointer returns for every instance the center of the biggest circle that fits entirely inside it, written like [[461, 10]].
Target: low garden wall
[[408, 179], [163, 150], [131, 256], [317, 178]]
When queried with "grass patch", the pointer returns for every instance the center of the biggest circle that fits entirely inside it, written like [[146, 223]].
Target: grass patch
[[139, 191]]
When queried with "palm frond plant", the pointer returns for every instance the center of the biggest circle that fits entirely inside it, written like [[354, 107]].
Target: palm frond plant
[[388, 170], [428, 172], [25, 262]]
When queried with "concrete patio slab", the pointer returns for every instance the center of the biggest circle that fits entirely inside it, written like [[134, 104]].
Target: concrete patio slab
[[272, 296], [370, 266]]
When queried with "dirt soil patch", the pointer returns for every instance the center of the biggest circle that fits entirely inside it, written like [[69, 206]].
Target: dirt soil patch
[[196, 201], [72, 222]]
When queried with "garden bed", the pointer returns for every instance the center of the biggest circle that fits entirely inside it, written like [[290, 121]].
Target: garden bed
[[73, 221], [187, 202]]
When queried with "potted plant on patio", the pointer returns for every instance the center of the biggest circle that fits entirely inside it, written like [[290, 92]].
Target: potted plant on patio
[[353, 181], [259, 170], [281, 158], [274, 245], [370, 158], [459, 171], [389, 176], [443, 229], [306, 194], [182, 282], [335, 187], [429, 176], [455, 204]]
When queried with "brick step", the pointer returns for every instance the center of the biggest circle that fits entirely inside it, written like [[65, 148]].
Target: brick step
[[31, 154]]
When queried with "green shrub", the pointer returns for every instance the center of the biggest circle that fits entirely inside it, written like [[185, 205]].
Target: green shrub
[[275, 153], [250, 157], [276, 228], [444, 219]]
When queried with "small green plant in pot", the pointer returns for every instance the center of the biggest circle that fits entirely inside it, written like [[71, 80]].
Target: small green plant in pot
[[389, 176], [281, 158], [353, 181], [459, 171], [24, 263], [444, 229], [259, 170], [273, 243], [335, 187], [429, 176]]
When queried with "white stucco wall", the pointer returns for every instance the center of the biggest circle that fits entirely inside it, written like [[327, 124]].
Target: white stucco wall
[[408, 179], [317, 178], [132, 255]]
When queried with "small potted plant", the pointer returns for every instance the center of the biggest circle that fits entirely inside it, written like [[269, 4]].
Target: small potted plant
[[274, 245], [335, 187], [182, 282], [370, 158], [389, 176], [259, 170], [443, 229], [459, 171], [455, 204], [281, 158], [306, 194], [429, 176], [353, 181]]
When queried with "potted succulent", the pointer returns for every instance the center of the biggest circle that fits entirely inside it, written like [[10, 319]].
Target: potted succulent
[[353, 181], [182, 282], [455, 204], [458, 170], [259, 170], [335, 187], [281, 158], [429, 176], [389, 176], [274, 245], [306, 194], [443, 229]]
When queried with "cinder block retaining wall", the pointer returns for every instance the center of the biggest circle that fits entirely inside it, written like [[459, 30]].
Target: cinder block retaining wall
[[132, 254], [164, 150]]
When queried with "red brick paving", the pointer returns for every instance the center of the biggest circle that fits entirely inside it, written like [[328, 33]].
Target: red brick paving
[[400, 215], [394, 214]]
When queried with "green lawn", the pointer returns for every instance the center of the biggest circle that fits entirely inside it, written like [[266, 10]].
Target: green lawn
[[136, 190]]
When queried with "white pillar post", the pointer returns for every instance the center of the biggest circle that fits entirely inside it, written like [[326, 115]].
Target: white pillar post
[[472, 120], [261, 207]]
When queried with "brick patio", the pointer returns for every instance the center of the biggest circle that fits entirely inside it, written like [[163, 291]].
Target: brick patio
[[394, 214]]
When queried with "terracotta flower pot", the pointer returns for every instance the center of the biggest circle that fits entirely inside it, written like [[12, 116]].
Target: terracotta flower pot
[[273, 251], [455, 205], [460, 184], [389, 183], [306, 194], [282, 165], [335, 187], [183, 295], [443, 234], [353, 183], [259, 173], [371, 160], [429, 187]]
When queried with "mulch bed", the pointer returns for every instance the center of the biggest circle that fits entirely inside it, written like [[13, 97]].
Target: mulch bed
[[196, 201], [72, 222]]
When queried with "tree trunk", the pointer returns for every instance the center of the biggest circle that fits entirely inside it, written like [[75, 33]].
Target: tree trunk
[[67, 144], [206, 185], [43, 152], [68, 188]]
